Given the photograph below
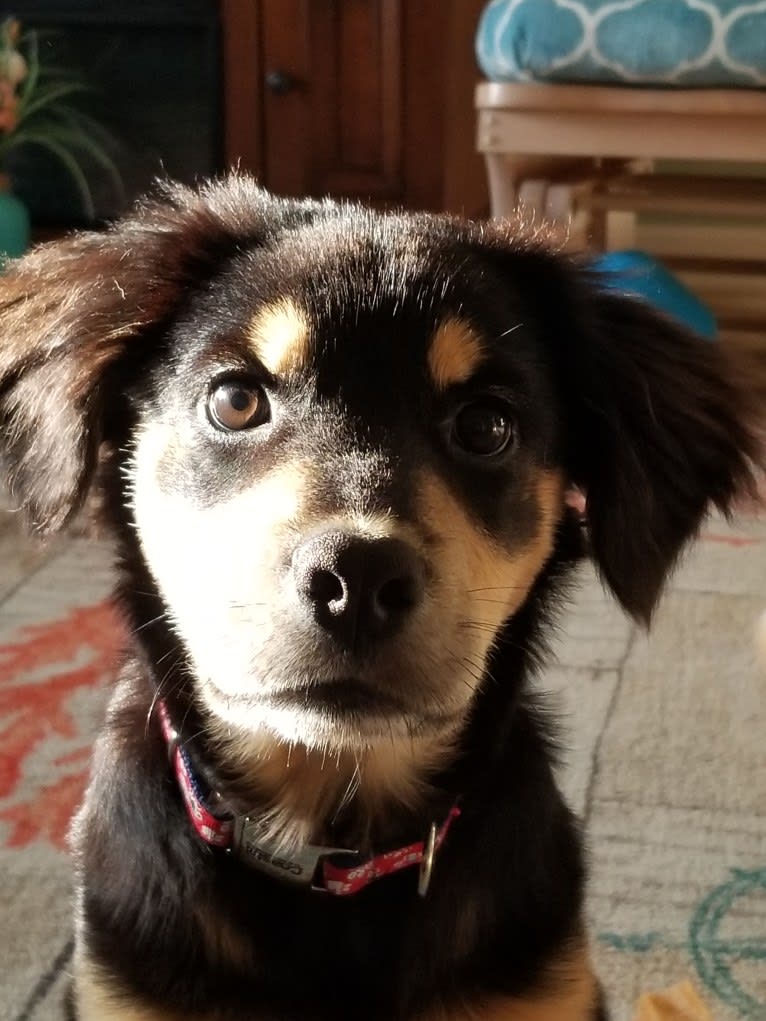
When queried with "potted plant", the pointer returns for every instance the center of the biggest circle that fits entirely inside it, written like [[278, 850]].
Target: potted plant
[[39, 107]]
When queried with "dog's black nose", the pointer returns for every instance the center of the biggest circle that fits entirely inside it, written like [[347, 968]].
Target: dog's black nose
[[358, 589]]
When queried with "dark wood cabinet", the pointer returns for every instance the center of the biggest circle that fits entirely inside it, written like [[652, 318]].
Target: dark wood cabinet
[[369, 99]]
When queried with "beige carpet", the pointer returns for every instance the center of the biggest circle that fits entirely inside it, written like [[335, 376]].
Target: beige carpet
[[667, 767]]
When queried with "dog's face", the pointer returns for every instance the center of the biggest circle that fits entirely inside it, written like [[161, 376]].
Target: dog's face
[[345, 478], [345, 442]]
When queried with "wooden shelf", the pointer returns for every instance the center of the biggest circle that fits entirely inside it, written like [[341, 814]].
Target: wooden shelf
[[683, 194]]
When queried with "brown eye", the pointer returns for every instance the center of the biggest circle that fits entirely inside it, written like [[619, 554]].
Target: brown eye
[[237, 405], [484, 428]]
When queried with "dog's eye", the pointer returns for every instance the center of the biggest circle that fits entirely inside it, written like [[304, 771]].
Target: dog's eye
[[484, 427], [237, 405]]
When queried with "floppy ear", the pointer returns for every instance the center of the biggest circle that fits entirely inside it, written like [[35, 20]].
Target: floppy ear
[[70, 309], [658, 429], [657, 424]]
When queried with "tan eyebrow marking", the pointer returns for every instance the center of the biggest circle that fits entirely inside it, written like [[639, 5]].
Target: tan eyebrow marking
[[455, 353], [281, 337]]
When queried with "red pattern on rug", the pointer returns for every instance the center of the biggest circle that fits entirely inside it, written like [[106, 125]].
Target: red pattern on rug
[[40, 675], [731, 540]]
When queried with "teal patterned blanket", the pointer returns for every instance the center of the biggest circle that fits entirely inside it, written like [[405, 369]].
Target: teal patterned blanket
[[685, 43]]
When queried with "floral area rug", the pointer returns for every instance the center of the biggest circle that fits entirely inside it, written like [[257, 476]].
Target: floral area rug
[[667, 766]]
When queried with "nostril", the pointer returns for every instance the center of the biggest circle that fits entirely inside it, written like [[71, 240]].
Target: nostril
[[397, 595], [358, 589], [325, 587]]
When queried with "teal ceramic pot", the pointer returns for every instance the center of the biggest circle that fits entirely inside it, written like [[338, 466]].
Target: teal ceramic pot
[[14, 224]]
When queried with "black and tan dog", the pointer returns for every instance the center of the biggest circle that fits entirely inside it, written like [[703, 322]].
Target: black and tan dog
[[333, 448]]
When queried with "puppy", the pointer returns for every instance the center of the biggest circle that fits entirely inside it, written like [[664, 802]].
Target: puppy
[[334, 450]]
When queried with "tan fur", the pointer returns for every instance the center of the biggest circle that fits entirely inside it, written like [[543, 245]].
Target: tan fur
[[171, 528], [281, 337], [224, 942], [490, 583], [571, 994], [300, 790], [96, 1000], [454, 355]]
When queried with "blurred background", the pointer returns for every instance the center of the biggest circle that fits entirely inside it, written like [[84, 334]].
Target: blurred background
[[369, 99], [649, 136]]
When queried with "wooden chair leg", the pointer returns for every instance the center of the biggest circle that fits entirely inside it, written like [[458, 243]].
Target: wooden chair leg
[[620, 230], [503, 185], [532, 200]]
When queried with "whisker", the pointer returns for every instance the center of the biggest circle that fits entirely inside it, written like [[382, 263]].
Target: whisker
[[497, 588], [351, 788], [486, 599], [183, 721], [460, 663], [193, 737], [485, 627], [148, 623], [513, 329], [159, 691], [165, 655], [471, 670], [477, 626]]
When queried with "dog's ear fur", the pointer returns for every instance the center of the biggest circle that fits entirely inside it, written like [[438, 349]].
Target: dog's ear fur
[[661, 429], [71, 308], [657, 425]]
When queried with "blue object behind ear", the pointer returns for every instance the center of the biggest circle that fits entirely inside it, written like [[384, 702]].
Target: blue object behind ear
[[637, 273]]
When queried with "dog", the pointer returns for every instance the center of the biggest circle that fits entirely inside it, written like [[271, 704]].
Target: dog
[[334, 449]]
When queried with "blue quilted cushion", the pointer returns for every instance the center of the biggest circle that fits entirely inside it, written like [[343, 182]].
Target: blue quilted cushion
[[641, 42]]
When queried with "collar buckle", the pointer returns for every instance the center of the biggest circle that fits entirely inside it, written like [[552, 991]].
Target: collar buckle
[[300, 867]]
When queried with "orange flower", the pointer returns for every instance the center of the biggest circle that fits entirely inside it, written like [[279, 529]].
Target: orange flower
[[8, 107], [12, 31]]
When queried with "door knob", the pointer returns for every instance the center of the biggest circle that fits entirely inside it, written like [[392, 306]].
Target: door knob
[[279, 82]]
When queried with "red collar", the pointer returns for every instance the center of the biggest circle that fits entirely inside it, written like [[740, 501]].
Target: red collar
[[314, 865]]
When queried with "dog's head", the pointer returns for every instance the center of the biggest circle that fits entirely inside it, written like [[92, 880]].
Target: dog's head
[[345, 441]]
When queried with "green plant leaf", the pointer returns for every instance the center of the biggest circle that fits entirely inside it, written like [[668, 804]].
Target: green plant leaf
[[29, 84], [49, 94], [46, 119], [72, 134], [70, 163]]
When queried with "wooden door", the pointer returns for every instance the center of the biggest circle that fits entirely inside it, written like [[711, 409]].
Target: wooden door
[[352, 97], [333, 97]]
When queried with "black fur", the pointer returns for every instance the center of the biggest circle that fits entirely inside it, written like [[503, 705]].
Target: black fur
[[103, 330]]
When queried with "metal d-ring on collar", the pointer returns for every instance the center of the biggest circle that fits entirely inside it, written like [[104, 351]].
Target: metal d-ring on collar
[[427, 863]]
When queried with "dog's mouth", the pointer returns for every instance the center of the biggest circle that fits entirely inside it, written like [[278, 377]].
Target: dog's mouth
[[333, 708], [341, 697], [346, 696]]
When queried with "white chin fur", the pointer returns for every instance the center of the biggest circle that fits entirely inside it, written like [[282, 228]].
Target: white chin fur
[[315, 729]]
